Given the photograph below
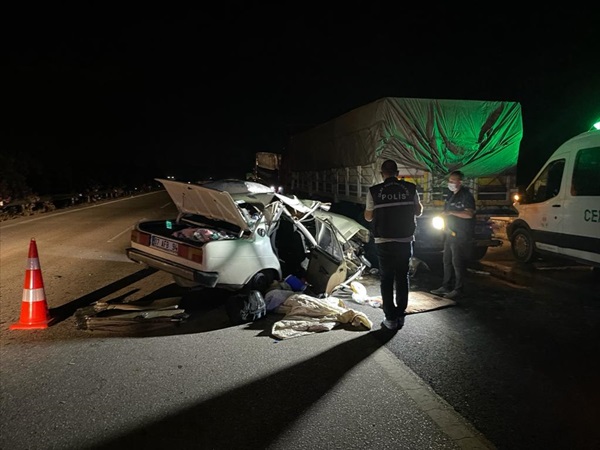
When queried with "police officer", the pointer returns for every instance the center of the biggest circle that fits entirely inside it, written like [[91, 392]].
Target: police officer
[[393, 207], [459, 214]]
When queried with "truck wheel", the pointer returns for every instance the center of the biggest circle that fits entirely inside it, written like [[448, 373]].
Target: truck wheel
[[522, 245]]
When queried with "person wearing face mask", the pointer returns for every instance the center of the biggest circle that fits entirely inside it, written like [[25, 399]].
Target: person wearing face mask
[[459, 216]]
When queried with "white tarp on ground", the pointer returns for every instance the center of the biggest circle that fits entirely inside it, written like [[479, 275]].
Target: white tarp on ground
[[306, 315]]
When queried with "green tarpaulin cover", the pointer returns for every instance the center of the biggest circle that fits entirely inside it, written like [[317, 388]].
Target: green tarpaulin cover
[[481, 138]]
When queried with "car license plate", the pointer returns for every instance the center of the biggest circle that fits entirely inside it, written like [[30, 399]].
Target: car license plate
[[164, 244]]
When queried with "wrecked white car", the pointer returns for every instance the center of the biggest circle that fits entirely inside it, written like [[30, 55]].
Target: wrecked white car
[[242, 236]]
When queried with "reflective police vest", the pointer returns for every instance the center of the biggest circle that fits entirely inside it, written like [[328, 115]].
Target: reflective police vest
[[394, 212]]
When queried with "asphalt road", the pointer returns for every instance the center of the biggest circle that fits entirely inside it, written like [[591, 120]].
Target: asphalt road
[[518, 355], [512, 366]]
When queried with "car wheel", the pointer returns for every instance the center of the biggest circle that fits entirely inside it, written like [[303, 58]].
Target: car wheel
[[478, 253], [260, 282], [523, 246]]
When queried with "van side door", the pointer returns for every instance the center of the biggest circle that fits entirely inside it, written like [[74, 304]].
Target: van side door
[[580, 225]]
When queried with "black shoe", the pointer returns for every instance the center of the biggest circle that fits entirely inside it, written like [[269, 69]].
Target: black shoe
[[400, 322], [452, 295], [440, 291], [390, 325]]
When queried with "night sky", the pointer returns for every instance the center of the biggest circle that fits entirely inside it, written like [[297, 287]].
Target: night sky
[[116, 96]]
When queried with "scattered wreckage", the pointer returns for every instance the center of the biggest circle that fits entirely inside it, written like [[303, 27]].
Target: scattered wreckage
[[272, 252], [241, 236], [244, 237]]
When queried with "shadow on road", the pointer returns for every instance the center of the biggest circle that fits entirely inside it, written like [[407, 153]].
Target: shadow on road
[[256, 414], [68, 309]]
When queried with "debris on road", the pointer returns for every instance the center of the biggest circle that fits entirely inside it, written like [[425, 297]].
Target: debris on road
[[116, 316]]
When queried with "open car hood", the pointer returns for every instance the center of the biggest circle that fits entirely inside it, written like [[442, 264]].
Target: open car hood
[[204, 201]]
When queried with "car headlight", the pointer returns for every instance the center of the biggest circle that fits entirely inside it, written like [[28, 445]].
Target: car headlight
[[438, 222]]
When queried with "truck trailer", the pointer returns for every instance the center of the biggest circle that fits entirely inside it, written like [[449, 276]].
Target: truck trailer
[[428, 138]]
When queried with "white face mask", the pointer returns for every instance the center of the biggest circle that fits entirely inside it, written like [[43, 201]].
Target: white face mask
[[452, 187]]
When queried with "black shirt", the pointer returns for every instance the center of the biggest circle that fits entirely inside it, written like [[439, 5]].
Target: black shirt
[[458, 227]]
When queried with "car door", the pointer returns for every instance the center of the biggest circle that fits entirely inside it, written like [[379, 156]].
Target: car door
[[306, 243], [326, 266]]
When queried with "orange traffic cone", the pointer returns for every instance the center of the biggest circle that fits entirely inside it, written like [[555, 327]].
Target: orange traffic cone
[[34, 309]]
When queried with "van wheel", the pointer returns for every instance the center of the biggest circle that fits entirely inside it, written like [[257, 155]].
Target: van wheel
[[523, 246]]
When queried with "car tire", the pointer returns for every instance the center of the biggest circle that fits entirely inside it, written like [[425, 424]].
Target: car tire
[[523, 245], [260, 282]]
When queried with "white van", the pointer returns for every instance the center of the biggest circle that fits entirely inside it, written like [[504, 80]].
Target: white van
[[559, 215]]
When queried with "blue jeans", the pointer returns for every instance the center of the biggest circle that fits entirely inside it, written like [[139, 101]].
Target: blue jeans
[[456, 253], [394, 259]]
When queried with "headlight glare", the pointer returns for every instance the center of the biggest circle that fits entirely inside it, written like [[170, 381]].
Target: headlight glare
[[438, 222]]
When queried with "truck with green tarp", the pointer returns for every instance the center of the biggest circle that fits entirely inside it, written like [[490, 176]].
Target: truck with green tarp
[[428, 138]]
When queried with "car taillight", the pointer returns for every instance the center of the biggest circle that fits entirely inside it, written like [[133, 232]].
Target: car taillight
[[192, 253], [140, 238]]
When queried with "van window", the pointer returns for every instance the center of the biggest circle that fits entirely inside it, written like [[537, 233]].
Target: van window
[[547, 185], [586, 174]]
